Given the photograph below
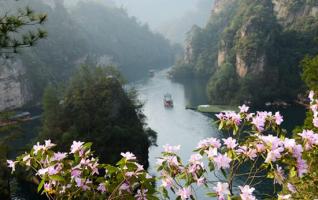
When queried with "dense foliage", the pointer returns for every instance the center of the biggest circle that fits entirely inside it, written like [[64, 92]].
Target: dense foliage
[[262, 47], [94, 107]]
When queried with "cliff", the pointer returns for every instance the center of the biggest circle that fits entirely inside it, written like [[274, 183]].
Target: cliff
[[252, 44], [14, 91]]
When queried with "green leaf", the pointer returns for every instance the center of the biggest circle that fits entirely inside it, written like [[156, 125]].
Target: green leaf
[[211, 166], [223, 172], [293, 172], [211, 194], [41, 185], [88, 145], [57, 178], [221, 125]]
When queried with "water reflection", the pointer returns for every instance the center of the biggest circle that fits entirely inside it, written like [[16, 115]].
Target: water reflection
[[174, 126]]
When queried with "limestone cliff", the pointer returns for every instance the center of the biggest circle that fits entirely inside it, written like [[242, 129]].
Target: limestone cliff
[[290, 11], [14, 90], [262, 42]]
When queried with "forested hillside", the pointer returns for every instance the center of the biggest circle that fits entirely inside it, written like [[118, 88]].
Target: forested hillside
[[251, 50], [86, 33]]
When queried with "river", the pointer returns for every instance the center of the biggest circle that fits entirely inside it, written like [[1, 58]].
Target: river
[[176, 126], [179, 126]]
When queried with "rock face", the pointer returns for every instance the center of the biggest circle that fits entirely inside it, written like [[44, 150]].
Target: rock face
[[248, 44], [14, 91], [289, 11]]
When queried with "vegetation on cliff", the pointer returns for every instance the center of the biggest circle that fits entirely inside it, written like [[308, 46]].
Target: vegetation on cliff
[[249, 45], [95, 33], [95, 107]]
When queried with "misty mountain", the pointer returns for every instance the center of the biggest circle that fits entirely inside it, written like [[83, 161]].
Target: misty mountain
[[176, 29], [88, 32]]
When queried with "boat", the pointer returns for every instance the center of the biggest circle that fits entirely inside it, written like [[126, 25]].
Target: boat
[[151, 73], [20, 117], [167, 101]]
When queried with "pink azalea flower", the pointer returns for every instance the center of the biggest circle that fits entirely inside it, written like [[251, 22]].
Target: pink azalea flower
[[311, 96], [222, 161], [124, 187], [209, 142], [171, 149], [291, 188], [243, 108], [289, 144], [279, 175], [167, 182], [315, 122], [273, 155], [27, 160], [76, 146], [221, 190], [59, 156], [75, 173], [229, 116], [172, 161], [11, 164], [139, 167], [272, 141], [302, 167], [211, 153], [310, 138], [247, 193], [230, 143], [195, 159], [52, 170], [159, 161], [128, 156], [101, 187], [260, 148], [297, 151], [42, 171], [130, 174], [48, 144], [37, 148], [278, 118], [259, 122], [94, 168], [184, 193], [251, 153], [141, 194], [47, 186], [201, 181]]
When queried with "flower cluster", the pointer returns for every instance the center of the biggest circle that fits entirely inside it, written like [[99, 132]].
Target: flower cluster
[[263, 146], [78, 173], [257, 149]]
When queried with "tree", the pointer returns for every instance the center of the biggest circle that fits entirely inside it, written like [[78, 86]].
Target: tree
[[14, 31], [94, 107], [310, 72]]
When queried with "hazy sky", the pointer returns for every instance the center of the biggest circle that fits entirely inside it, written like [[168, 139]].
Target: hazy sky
[[156, 12]]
